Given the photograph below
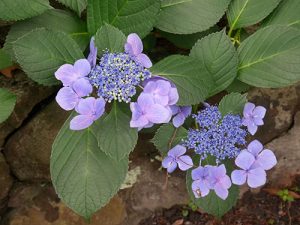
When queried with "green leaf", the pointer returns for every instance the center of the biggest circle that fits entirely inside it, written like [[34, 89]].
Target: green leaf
[[115, 136], [211, 203], [233, 103], [242, 13], [287, 13], [219, 57], [130, 16], [167, 137], [41, 52], [109, 38], [51, 20], [167, 3], [187, 40], [22, 9], [187, 17], [76, 5], [270, 57], [5, 60], [237, 86], [193, 82], [8, 101], [84, 177]]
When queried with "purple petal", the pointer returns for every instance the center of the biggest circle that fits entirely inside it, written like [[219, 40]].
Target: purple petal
[[178, 120], [175, 109], [136, 111], [266, 159], [82, 67], [86, 106], [67, 98], [145, 101], [185, 162], [256, 177], [161, 100], [244, 160], [173, 96], [150, 86], [198, 173], [81, 122], [259, 111], [239, 177], [158, 114], [186, 110], [255, 147], [258, 121], [200, 189], [225, 182], [167, 161], [140, 122], [177, 151], [163, 87], [99, 108], [92, 58], [144, 60], [248, 109], [82, 87], [252, 128], [219, 171], [66, 74], [135, 43], [221, 192]]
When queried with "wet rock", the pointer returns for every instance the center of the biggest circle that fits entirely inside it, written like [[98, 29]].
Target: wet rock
[[150, 191], [287, 151], [28, 150], [5, 182], [281, 104], [38, 204], [29, 94]]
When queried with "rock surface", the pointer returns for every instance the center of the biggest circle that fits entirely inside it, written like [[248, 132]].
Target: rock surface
[[6, 181], [281, 104], [38, 205], [28, 150], [28, 93], [287, 151]]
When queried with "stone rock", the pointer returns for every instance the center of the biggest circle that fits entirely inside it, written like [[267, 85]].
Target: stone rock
[[38, 204], [287, 151], [281, 104], [150, 191], [28, 93], [28, 150], [6, 181]]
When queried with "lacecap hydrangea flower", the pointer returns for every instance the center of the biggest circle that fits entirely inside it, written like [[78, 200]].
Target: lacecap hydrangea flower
[[222, 137], [253, 117]]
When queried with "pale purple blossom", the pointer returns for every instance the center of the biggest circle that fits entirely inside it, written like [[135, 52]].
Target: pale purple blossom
[[68, 73], [254, 176], [176, 158], [253, 117], [145, 112], [92, 57], [89, 110], [264, 158], [220, 181], [180, 113], [201, 181], [134, 47]]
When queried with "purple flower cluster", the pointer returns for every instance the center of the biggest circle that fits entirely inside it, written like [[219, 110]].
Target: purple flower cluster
[[217, 136], [115, 77]]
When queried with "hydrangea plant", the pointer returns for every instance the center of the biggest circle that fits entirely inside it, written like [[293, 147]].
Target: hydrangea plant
[[113, 89]]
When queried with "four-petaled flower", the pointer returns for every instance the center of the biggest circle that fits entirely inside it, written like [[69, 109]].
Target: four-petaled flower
[[264, 158], [89, 109], [76, 85], [180, 113], [253, 117], [255, 176], [176, 158], [134, 47], [219, 181], [201, 181], [145, 112]]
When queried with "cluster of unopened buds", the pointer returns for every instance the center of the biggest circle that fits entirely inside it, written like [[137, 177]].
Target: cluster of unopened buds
[[88, 86], [219, 138]]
